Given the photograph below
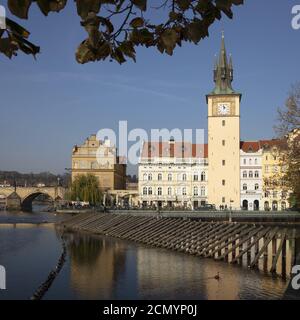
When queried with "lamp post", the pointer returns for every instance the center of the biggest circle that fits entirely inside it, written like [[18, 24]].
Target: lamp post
[[230, 211]]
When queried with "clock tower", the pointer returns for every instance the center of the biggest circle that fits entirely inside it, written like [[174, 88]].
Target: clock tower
[[224, 136]]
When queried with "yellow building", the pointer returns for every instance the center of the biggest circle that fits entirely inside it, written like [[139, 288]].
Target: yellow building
[[275, 196], [100, 159]]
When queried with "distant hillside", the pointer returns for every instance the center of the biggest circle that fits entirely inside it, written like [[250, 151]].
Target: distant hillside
[[33, 179]]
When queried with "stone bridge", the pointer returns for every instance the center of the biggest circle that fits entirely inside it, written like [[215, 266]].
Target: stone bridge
[[22, 197]]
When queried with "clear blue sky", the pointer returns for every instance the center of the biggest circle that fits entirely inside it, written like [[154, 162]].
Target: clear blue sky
[[52, 103]]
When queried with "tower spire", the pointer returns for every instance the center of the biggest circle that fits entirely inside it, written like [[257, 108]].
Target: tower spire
[[223, 72]]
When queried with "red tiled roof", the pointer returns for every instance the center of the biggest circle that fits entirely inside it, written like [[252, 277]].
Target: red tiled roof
[[266, 144], [174, 150], [189, 150], [250, 146]]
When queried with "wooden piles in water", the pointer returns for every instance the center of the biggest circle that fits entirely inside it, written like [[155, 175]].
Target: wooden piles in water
[[234, 243]]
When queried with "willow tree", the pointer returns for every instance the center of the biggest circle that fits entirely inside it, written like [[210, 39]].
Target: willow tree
[[116, 27], [288, 129], [86, 188]]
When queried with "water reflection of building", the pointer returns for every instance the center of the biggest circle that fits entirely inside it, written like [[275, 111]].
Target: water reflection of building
[[95, 265], [179, 276]]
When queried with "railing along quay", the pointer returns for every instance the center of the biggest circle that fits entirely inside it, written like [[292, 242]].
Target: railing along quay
[[236, 243]]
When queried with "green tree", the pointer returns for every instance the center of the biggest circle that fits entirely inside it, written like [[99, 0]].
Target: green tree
[[86, 188], [116, 27], [288, 129]]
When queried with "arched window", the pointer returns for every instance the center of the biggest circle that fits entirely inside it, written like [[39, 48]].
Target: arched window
[[184, 177], [245, 187], [196, 178], [256, 174], [250, 162], [169, 191], [203, 176], [144, 191], [150, 177], [159, 177], [145, 177], [184, 191], [250, 174], [256, 161], [256, 186], [150, 191], [169, 177], [245, 174], [203, 192], [159, 191], [245, 161], [196, 193]]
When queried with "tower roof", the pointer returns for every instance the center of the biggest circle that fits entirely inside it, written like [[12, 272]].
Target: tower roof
[[223, 72]]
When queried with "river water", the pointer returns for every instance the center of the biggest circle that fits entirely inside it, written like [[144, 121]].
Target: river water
[[99, 267]]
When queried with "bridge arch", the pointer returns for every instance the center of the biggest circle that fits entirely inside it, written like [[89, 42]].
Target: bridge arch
[[26, 204]]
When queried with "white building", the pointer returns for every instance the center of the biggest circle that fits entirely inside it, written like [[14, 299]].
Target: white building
[[251, 176], [173, 174]]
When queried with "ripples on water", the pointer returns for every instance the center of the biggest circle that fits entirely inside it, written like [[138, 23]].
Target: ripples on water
[[105, 268]]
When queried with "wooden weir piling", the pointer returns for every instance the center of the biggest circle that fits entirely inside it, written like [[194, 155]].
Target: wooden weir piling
[[225, 241]]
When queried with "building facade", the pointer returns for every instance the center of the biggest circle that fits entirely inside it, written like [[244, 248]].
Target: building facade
[[100, 159], [275, 197], [251, 176], [228, 173], [172, 177]]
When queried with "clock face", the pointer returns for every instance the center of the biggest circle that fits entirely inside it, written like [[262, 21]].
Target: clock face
[[223, 108]]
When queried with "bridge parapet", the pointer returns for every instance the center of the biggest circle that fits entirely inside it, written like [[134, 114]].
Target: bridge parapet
[[28, 194]]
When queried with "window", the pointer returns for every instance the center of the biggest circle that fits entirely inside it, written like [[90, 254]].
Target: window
[[266, 158], [159, 191], [94, 165], [256, 174], [250, 162], [196, 191], [145, 178], [223, 200], [256, 186], [256, 161], [184, 191], [159, 177], [184, 177], [223, 123], [144, 191], [223, 163], [267, 169], [245, 174], [223, 182], [203, 192], [169, 191], [245, 161], [169, 177], [250, 174], [150, 191], [196, 178], [223, 143], [203, 176], [245, 187], [150, 177]]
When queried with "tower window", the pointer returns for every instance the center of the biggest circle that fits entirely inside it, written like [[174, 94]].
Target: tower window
[[223, 162], [223, 182], [223, 200], [223, 143], [223, 123]]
